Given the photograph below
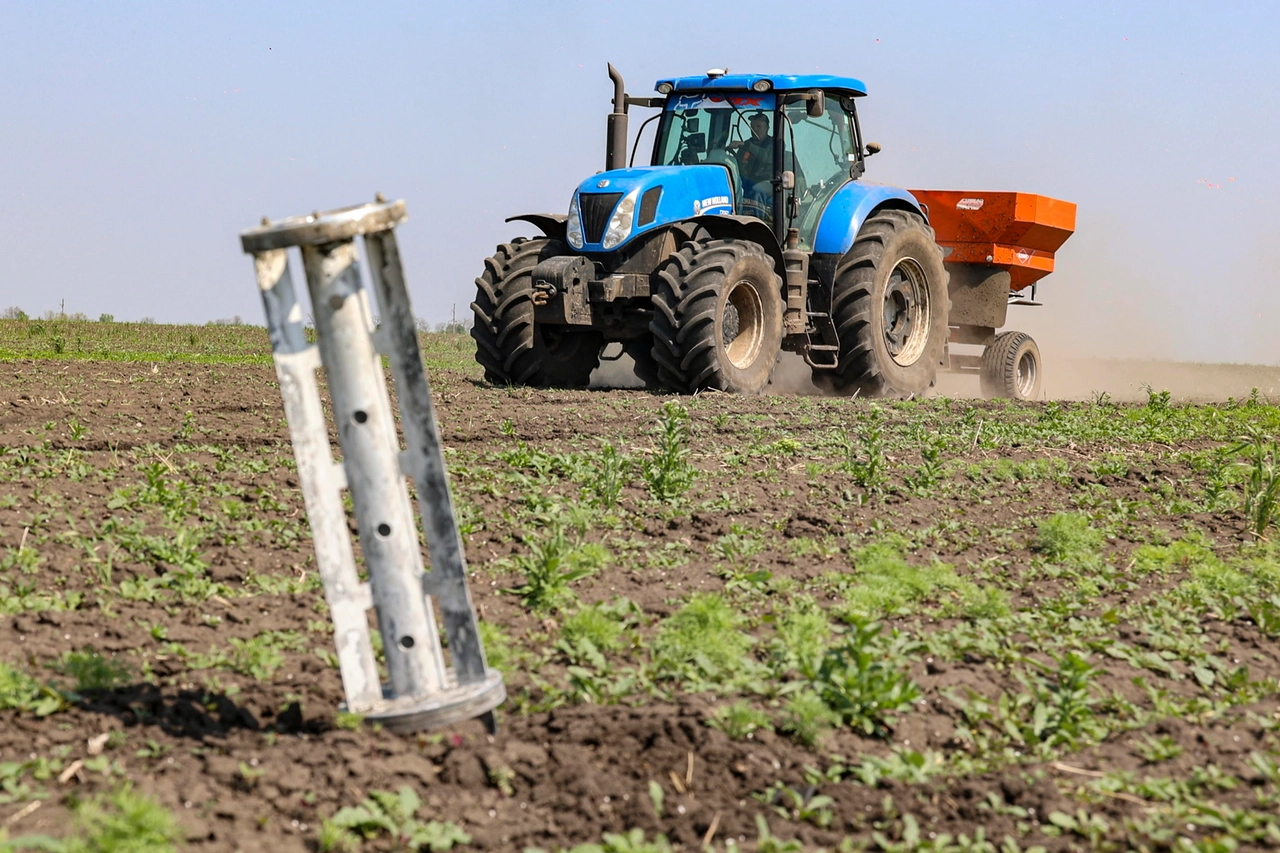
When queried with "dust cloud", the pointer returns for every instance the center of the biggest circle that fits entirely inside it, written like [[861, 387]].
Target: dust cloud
[[1065, 378]]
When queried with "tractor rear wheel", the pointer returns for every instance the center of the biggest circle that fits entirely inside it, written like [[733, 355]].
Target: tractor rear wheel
[[1011, 367], [717, 318], [890, 308], [512, 347]]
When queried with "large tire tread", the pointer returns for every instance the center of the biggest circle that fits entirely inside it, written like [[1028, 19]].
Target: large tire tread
[[685, 350], [862, 366], [508, 343]]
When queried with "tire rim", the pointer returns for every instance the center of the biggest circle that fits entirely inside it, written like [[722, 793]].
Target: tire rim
[[906, 312], [1028, 373], [742, 325]]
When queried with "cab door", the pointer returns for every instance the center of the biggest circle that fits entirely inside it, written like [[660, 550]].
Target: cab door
[[823, 154]]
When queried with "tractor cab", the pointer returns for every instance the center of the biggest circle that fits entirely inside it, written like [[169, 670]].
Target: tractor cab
[[807, 130]]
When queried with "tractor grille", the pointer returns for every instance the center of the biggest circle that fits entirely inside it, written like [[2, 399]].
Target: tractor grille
[[596, 209]]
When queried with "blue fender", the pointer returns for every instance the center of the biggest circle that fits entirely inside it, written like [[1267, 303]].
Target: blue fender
[[849, 208]]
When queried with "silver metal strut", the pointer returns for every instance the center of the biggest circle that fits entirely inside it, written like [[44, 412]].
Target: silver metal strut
[[422, 690]]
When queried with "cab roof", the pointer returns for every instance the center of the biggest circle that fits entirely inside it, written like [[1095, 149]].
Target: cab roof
[[781, 82]]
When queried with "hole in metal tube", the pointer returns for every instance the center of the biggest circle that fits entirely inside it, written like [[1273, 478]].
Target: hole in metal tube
[[335, 302], [384, 529], [406, 642], [360, 416]]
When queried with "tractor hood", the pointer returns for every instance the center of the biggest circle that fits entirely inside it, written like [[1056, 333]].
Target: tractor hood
[[610, 209]]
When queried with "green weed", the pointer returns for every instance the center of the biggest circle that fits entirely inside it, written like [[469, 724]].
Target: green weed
[[767, 842], [1058, 709], [1157, 401], [1262, 489], [550, 568], [737, 547], [739, 720], [598, 628], [1177, 556], [791, 804], [1266, 615], [668, 472], [658, 796], [1156, 749], [974, 602], [395, 815], [860, 685], [25, 559], [1068, 537], [21, 692], [803, 632], [885, 583], [905, 765], [612, 473], [91, 671], [806, 716], [120, 822], [632, 841], [702, 643], [865, 460], [260, 657], [929, 472], [498, 650]]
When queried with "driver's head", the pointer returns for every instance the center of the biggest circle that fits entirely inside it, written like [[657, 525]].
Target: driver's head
[[759, 125]]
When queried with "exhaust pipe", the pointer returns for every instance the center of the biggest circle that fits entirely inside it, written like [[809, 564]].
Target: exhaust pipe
[[616, 135]]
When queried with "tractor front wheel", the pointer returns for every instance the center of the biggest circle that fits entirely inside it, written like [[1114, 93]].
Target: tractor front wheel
[[890, 308], [717, 318], [511, 346], [1011, 367]]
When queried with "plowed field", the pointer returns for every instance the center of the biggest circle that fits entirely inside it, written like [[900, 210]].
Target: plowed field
[[776, 623]]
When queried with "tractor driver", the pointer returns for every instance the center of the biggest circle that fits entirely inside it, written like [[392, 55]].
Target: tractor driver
[[755, 163]]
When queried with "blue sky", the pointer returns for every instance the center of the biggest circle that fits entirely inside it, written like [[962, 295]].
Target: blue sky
[[138, 139]]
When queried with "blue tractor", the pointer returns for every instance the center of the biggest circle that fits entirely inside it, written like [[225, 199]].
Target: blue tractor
[[750, 233]]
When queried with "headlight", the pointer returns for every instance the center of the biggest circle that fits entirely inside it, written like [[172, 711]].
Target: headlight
[[762, 85], [664, 88], [573, 228], [620, 224]]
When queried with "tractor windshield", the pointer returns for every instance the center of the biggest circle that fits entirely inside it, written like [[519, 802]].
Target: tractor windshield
[[734, 131]]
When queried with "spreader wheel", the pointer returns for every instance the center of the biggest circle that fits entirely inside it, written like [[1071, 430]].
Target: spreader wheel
[[1011, 367]]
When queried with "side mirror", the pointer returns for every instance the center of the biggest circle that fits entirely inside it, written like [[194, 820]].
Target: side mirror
[[696, 141], [873, 148], [816, 103], [788, 180]]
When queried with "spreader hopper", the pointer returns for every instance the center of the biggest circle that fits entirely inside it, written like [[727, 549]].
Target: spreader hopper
[[1017, 232]]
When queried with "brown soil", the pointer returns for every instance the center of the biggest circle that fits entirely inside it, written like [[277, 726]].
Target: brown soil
[[578, 770]]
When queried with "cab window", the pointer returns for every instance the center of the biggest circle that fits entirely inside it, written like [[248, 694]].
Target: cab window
[[703, 129], [824, 151]]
